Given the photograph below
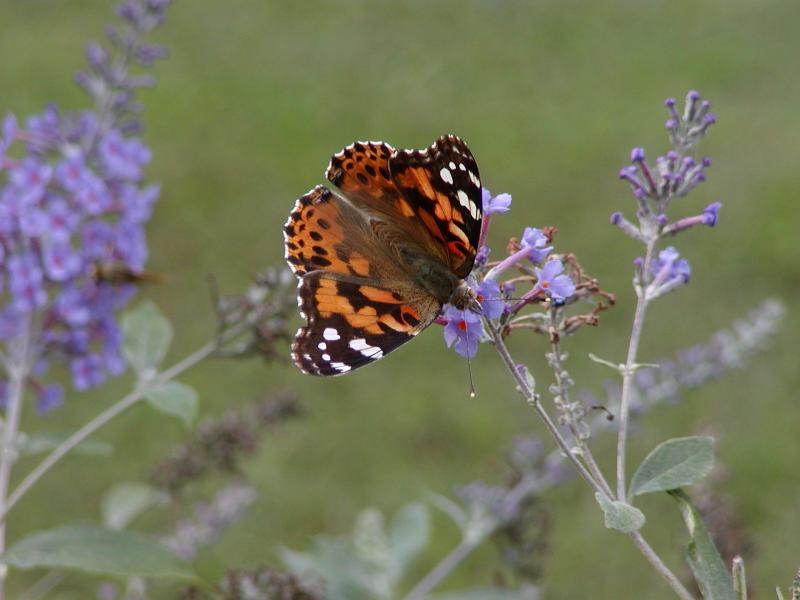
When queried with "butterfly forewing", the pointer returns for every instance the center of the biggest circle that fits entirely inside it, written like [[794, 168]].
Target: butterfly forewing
[[443, 186]]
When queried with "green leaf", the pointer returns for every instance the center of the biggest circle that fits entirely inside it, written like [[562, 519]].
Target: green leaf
[[44, 441], [492, 593], [126, 501], [409, 533], [175, 399], [345, 576], [702, 556], [620, 516], [97, 550], [673, 464], [147, 334]]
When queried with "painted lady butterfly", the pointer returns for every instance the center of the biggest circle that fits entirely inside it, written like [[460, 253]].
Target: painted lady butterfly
[[379, 257]]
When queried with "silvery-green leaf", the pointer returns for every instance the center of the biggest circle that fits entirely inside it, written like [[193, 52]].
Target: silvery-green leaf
[[620, 516], [174, 398], [126, 501], [409, 533], [146, 337], [709, 570], [673, 464], [44, 441], [345, 576], [98, 550]]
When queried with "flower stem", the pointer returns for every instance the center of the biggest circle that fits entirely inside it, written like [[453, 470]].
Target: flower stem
[[107, 415], [530, 395], [563, 392], [18, 369], [443, 569], [630, 363]]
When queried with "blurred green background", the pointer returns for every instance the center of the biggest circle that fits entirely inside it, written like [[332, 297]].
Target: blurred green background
[[551, 96]]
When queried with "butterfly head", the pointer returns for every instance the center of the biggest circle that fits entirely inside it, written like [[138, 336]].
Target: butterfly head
[[464, 297]]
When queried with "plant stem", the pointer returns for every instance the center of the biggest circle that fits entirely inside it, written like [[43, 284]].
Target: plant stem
[[530, 395], [660, 567], [18, 369], [107, 415], [443, 569], [514, 496], [630, 363], [563, 392]]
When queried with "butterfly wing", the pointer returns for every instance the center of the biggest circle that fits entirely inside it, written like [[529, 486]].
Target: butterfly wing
[[442, 185], [324, 232], [353, 321]]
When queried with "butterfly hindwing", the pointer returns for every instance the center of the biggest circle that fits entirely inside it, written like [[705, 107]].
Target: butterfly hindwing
[[353, 321], [442, 185]]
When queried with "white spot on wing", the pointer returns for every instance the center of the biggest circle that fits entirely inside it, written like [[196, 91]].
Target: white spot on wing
[[463, 199], [341, 367], [326, 357], [330, 334], [446, 175], [473, 210], [462, 167], [452, 165], [474, 179], [322, 346], [359, 344]]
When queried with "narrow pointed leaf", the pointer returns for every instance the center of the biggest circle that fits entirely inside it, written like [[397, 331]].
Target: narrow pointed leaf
[[620, 516], [673, 464], [709, 570], [98, 550], [146, 337]]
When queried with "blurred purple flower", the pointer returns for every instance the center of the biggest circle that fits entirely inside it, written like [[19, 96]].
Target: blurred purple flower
[[551, 281], [123, 158], [70, 199], [49, 397], [669, 266], [463, 331], [87, 372]]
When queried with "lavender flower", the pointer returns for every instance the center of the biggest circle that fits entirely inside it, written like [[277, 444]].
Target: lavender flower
[[533, 247], [669, 271], [497, 204], [535, 242], [490, 298], [463, 331], [553, 283], [71, 199]]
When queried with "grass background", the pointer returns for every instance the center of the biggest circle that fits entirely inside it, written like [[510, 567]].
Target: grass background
[[551, 97]]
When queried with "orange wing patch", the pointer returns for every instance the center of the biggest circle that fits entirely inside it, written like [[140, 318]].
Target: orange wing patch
[[361, 171], [315, 239], [365, 307]]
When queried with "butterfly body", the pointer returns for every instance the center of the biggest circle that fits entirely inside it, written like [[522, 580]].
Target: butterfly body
[[378, 258]]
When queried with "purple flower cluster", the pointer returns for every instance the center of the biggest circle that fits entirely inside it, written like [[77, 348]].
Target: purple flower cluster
[[675, 175], [72, 203], [464, 329]]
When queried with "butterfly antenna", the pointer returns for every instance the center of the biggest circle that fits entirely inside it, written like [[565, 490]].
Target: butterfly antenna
[[469, 362]]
